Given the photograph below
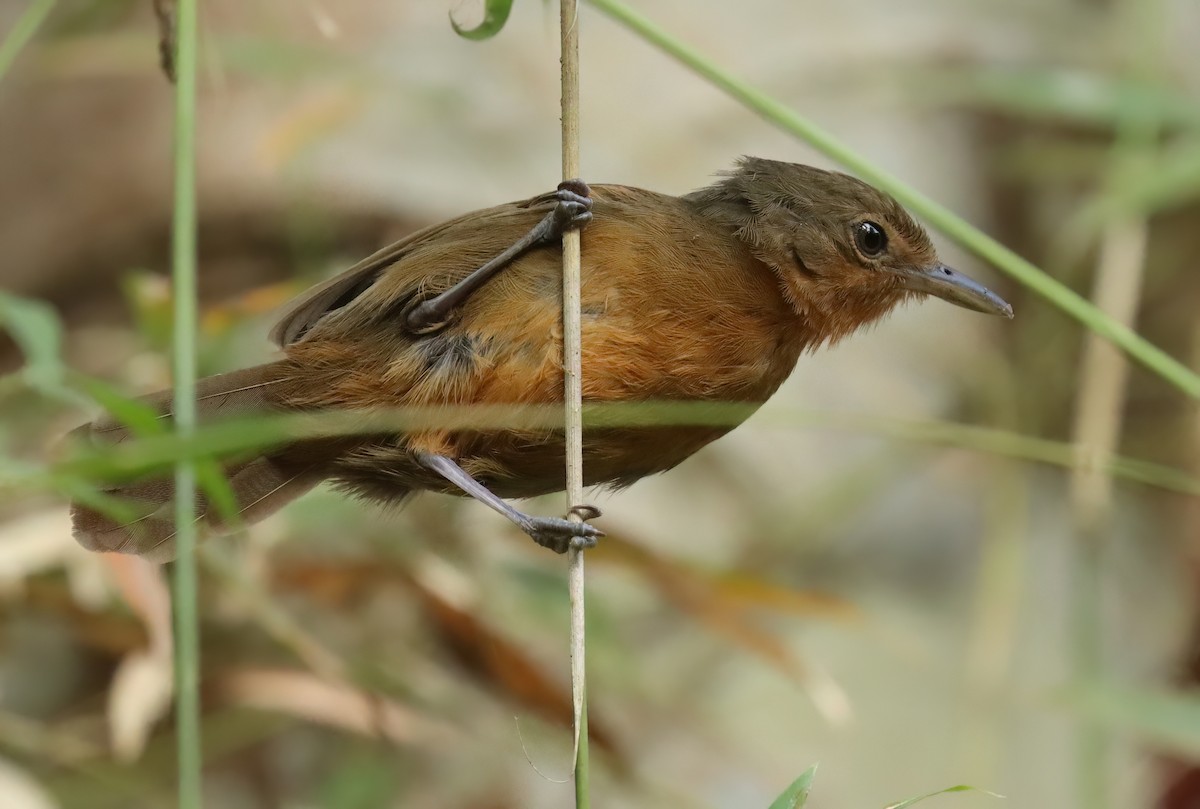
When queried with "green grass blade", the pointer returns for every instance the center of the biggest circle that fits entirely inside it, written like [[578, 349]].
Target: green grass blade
[[947, 790], [139, 417], [150, 454], [796, 795], [1067, 95], [940, 217], [27, 25], [183, 274]]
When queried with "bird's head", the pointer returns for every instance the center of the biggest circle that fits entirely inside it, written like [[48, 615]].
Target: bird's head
[[845, 252]]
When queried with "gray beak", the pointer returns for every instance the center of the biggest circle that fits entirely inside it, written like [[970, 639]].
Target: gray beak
[[951, 285]]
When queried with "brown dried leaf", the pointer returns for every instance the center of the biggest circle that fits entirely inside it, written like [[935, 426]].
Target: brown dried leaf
[[752, 591], [143, 685], [502, 665], [339, 585], [334, 704], [485, 655], [725, 605], [737, 591]]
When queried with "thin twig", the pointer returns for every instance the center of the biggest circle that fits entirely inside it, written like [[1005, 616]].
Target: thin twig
[[573, 393]]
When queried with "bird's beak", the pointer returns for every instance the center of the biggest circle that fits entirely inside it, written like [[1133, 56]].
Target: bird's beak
[[951, 285]]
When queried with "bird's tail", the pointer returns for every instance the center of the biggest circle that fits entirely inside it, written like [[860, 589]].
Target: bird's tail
[[261, 485]]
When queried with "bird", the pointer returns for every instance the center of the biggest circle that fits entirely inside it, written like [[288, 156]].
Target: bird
[[711, 297]]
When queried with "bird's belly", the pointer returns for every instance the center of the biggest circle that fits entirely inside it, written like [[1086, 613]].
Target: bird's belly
[[518, 463], [521, 465], [650, 403], [652, 399]]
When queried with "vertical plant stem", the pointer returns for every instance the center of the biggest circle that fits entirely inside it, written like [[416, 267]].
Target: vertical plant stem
[[1102, 389], [183, 274], [573, 393], [26, 26], [1000, 594]]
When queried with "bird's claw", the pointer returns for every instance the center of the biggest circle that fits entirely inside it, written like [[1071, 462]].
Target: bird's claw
[[584, 512], [561, 535], [576, 187], [574, 208]]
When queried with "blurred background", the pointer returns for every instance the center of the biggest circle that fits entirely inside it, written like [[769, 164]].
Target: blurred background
[[910, 566]]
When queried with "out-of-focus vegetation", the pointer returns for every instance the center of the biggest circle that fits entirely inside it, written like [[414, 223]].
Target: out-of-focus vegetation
[[910, 566]]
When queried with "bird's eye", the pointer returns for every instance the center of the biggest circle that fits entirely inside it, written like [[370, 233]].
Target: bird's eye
[[870, 238]]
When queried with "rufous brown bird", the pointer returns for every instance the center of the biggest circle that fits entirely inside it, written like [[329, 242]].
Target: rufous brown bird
[[710, 297]]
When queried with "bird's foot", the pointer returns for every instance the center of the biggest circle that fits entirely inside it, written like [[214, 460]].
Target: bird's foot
[[573, 211], [561, 535], [574, 208]]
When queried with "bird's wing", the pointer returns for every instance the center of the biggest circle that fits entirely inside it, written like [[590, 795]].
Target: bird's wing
[[501, 225]]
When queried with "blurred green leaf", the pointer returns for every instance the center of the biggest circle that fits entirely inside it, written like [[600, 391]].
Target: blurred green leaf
[[1072, 96], [211, 479], [84, 492], [1169, 721], [272, 57], [1171, 179], [35, 327], [148, 294], [362, 778], [495, 15], [796, 795], [84, 17], [144, 420], [137, 415], [22, 31]]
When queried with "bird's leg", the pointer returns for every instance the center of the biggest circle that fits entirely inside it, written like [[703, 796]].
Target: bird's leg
[[574, 210], [550, 532]]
